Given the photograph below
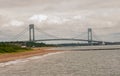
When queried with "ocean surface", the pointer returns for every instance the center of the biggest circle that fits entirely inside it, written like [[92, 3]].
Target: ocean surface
[[73, 61]]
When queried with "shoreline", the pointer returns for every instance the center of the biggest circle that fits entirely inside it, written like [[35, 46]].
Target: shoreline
[[21, 55]]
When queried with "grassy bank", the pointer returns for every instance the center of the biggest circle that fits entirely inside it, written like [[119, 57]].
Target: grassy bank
[[9, 48]]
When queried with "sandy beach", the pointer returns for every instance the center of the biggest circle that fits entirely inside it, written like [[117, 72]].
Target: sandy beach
[[35, 52]]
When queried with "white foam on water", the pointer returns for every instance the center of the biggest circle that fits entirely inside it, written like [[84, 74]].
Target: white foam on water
[[26, 59]]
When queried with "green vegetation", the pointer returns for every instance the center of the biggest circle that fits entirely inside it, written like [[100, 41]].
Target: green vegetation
[[10, 48], [33, 44], [15, 47]]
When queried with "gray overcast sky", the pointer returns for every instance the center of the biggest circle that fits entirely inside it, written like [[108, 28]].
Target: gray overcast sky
[[63, 18]]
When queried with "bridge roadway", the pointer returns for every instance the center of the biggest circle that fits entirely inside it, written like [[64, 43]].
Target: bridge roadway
[[62, 39], [66, 39]]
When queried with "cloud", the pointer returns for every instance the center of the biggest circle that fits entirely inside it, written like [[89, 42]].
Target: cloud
[[57, 20], [79, 17], [38, 18], [16, 23], [60, 17]]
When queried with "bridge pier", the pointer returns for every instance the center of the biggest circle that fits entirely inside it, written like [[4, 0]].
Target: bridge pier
[[31, 33], [31, 36], [89, 36]]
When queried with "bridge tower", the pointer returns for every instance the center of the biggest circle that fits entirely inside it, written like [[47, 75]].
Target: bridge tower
[[89, 36], [31, 33]]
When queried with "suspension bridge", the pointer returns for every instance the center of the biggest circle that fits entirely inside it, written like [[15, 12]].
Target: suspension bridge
[[32, 37]]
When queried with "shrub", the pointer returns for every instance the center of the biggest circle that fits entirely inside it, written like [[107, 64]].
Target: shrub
[[9, 48]]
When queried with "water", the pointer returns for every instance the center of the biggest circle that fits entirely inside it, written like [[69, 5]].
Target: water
[[72, 62]]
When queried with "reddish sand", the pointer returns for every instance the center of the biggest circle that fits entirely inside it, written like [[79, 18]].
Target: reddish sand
[[20, 55]]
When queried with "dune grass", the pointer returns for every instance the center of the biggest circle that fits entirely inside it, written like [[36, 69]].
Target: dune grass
[[9, 48]]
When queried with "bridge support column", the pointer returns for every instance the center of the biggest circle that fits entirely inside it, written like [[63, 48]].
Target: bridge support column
[[89, 36], [31, 33]]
